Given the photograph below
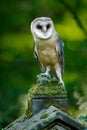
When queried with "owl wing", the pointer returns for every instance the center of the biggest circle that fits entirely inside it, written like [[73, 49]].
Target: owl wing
[[37, 57], [35, 51], [60, 51]]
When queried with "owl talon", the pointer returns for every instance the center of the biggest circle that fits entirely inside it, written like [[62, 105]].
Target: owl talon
[[45, 75], [61, 83]]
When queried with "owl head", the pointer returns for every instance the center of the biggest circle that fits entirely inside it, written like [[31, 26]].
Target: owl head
[[42, 28]]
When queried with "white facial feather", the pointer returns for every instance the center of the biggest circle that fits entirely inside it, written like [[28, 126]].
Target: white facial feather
[[42, 28]]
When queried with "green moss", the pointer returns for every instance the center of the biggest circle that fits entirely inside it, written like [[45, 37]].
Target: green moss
[[44, 116], [46, 89], [28, 113]]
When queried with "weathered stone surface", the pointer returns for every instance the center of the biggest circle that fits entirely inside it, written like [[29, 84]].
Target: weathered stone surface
[[46, 119], [40, 102]]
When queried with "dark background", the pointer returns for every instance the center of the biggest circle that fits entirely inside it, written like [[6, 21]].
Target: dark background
[[18, 68]]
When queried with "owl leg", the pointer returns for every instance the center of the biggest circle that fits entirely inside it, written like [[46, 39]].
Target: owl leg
[[46, 72], [58, 73]]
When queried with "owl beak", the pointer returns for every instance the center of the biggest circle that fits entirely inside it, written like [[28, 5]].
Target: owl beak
[[44, 29]]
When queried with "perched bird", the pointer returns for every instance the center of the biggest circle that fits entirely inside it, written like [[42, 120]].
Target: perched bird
[[48, 47]]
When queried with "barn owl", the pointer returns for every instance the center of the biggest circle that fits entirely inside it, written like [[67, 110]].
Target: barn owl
[[48, 47]]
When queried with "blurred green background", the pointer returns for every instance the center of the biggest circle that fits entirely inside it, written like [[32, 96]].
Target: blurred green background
[[18, 68]]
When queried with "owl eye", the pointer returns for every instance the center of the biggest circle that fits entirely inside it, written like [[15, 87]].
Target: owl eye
[[48, 26], [39, 27]]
